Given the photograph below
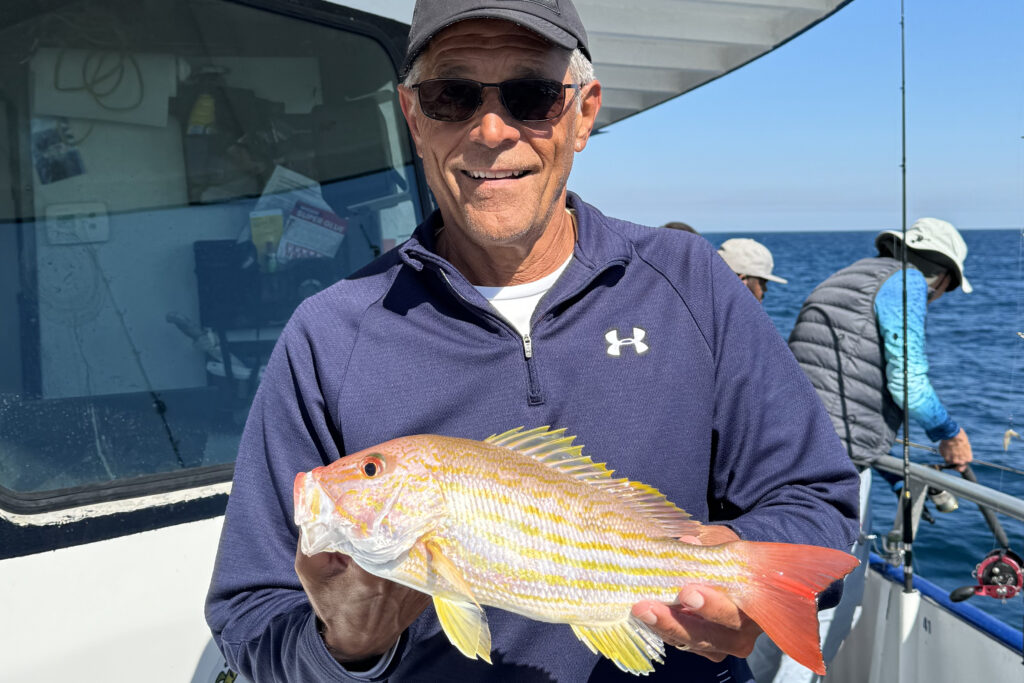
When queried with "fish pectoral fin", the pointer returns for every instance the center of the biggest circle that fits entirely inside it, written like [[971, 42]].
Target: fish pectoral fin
[[442, 564], [465, 624], [463, 621], [629, 643]]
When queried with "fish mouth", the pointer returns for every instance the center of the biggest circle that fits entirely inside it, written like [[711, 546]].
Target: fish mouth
[[320, 527]]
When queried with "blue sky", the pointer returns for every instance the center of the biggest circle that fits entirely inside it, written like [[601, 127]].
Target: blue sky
[[808, 137]]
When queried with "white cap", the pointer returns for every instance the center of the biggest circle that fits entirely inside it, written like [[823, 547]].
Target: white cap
[[747, 257], [939, 241]]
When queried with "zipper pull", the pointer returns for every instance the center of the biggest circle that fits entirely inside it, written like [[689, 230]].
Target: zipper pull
[[527, 346]]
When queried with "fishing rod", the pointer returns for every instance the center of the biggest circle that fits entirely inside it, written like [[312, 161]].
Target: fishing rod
[[908, 515], [990, 517], [993, 465]]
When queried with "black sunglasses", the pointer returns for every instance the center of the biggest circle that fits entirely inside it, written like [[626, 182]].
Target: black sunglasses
[[526, 99]]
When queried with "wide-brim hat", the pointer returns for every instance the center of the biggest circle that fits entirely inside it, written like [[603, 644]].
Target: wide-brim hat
[[749, 257], [556, 21], [937, 240]]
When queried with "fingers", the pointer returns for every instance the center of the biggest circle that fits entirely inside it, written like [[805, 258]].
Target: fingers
[[362, 615], [321, 564], [957, 451], [716, 534], [713, 606], [705, 622], [711, 534]]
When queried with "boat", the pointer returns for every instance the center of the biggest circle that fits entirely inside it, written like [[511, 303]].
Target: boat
[[909, 628], [181, 173]]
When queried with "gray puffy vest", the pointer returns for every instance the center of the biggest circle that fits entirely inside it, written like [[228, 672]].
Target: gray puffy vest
[[838, 345]]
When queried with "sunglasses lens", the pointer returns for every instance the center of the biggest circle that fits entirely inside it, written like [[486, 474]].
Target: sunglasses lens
[[449, 99], [533, 99], [526, 99]]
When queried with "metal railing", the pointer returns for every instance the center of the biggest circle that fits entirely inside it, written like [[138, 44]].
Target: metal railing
[[983, 496]]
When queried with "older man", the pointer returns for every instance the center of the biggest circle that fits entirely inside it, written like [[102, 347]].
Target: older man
[[516, 303]]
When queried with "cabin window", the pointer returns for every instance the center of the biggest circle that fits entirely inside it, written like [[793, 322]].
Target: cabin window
[[180, 175]]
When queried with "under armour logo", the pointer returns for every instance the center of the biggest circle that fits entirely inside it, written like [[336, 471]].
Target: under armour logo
[[636, 341]]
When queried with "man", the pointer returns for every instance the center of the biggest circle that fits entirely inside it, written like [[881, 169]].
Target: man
[[753, 262], [848, 338], [639, 341]]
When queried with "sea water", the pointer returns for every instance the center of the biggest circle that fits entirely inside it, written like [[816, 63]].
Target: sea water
[[976, 361]]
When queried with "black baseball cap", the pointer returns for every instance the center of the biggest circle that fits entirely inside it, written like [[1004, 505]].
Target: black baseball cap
[[556, 21]]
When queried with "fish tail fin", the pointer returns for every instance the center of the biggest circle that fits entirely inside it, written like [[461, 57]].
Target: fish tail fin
[[782, 596]]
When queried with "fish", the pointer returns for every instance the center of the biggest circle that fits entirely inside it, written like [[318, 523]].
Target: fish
[[524, 522]]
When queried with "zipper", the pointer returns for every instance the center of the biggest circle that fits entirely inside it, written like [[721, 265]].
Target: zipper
[[534, 397]]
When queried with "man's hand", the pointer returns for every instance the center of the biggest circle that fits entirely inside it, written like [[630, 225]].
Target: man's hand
[[705, 622], [363, 615], [957, 450]]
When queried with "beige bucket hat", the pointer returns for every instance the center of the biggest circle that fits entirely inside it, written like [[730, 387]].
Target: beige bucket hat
[[938, 240]]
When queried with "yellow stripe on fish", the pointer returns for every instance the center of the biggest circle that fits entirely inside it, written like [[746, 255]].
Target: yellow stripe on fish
[[524, 522]]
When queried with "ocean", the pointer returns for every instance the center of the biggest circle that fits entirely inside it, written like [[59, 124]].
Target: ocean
[[976, 362]]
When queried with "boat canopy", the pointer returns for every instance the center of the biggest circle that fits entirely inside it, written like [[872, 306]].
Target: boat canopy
[[646, 53]]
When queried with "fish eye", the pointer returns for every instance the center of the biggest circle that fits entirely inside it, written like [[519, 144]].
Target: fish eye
[[371, 466]]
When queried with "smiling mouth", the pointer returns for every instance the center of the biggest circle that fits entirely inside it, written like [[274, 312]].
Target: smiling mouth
[[494, 175]]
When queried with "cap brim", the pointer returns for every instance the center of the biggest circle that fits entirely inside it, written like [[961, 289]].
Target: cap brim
[[775, 278]]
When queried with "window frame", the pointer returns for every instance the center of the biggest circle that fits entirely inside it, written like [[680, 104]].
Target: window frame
[[36, 521]]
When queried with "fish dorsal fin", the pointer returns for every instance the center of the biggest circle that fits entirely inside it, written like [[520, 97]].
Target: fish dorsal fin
[[554, 449]]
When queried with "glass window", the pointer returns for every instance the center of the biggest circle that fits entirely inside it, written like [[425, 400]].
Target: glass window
[[181, 174]]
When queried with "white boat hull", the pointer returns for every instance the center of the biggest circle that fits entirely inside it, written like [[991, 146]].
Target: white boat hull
[[904, 637]]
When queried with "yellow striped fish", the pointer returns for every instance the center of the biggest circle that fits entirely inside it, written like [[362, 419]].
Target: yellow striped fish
[[524, 522]]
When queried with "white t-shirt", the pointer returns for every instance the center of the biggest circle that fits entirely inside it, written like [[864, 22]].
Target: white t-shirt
[[516, 303]]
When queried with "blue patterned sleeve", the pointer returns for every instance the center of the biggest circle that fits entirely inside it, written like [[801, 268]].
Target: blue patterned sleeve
[[924, 405]]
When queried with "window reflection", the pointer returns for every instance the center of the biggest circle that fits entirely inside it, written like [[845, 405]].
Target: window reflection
[[183, 174]]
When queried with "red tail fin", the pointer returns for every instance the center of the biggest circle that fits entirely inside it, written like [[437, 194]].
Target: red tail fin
[[782, 599]]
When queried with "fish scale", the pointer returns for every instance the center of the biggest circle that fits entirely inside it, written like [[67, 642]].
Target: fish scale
[[524, 522]]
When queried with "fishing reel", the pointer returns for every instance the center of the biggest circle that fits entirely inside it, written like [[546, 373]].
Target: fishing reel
[[1000, 575]]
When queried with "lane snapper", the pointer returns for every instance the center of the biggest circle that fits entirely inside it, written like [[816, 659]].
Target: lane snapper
[[524, 522]]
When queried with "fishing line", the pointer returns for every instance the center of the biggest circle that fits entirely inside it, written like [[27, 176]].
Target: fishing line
[[158, 403], [932, 449], [1015, 356]]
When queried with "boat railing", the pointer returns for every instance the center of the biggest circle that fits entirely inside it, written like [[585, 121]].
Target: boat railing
[[983, 496]]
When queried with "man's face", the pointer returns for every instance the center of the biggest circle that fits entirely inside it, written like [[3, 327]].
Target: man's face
[[498, 180], [757, 285], [939, 288]]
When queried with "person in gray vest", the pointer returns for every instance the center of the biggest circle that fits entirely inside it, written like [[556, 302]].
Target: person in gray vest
[[848, 338], [752, 261]]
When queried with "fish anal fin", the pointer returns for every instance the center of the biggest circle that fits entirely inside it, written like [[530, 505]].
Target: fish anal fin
[[630, 644], [782, 597], [465, 624]]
